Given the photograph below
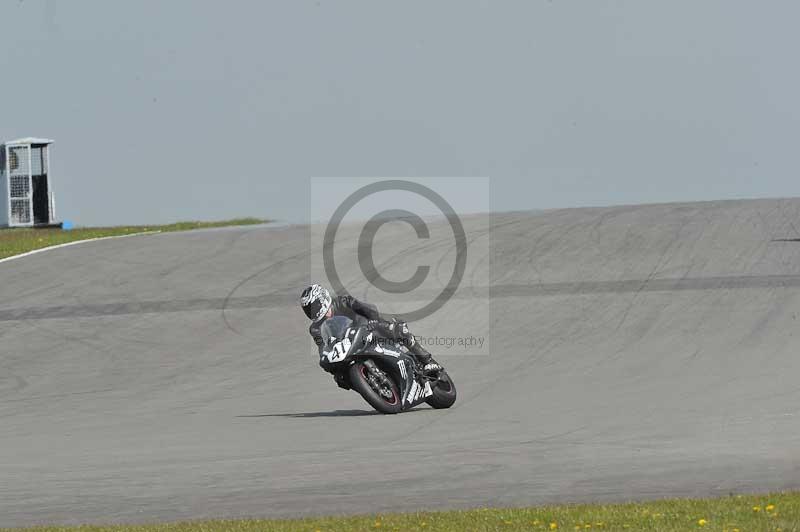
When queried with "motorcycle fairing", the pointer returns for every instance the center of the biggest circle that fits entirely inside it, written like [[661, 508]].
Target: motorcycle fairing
[[414, 391]]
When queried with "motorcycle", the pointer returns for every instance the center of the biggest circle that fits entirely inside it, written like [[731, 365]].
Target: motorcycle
[[382, 370]]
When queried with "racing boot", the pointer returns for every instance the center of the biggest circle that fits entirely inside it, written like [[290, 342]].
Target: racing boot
[[429, 366], [398, 330]]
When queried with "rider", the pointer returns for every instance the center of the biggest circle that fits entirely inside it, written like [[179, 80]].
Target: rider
[[318, 305]]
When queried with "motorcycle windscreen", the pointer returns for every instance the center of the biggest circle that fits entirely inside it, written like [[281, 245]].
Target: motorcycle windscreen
[[334, 329]]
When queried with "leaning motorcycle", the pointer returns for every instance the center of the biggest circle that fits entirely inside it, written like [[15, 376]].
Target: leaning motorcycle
[[382, 370]]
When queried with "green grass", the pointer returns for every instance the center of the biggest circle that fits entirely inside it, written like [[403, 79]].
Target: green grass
[[743, 513], [16, 241]]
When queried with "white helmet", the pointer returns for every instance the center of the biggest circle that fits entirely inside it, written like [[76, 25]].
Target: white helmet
[[316, 301]]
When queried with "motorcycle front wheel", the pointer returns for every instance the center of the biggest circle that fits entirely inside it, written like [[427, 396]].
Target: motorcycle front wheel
[[377, 388]]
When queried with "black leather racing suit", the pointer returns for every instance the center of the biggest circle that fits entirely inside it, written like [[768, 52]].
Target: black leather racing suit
[[362, 313]]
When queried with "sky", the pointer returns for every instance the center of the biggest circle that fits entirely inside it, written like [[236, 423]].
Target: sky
[[197, 109]]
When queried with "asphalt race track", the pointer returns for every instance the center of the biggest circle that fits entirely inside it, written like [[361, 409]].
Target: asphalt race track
[[636, 352]]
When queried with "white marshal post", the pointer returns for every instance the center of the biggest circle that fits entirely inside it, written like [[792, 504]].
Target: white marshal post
[[25, 179]]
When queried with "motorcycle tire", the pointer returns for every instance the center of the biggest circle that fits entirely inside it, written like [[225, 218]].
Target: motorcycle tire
[[360, 382], [444, 392]]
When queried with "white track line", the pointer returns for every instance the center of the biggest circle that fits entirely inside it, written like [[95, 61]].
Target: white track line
[[74, 242]]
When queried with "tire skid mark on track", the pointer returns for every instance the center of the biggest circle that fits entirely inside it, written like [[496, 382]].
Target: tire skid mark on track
[[280, 298], [276, 298]]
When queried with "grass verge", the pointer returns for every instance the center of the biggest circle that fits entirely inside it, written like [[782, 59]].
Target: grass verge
[[18, 241], [742, 513]]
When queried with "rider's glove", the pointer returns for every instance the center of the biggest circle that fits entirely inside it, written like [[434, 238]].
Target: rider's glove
[[341, 381], [324, 364]]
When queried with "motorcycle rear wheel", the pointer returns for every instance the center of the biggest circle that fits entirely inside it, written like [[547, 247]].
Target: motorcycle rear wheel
[[444, 392], [360, 380]]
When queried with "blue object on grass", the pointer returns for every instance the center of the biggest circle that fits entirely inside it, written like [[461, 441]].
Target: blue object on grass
[[66, 225]]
